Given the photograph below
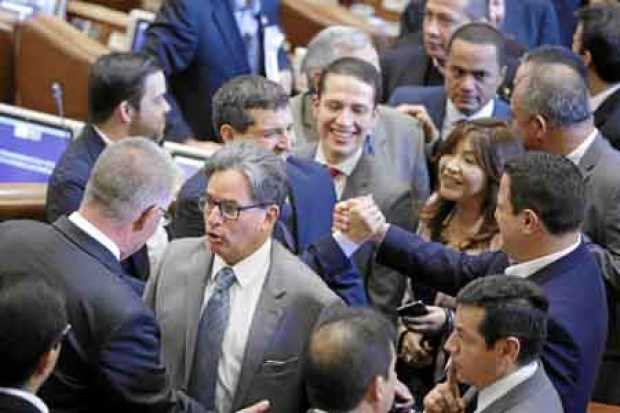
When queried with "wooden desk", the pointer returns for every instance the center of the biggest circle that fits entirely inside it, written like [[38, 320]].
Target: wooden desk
[[22, 201], [602, 408]]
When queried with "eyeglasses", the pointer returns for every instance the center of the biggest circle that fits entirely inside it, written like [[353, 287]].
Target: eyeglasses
[[228, 209]]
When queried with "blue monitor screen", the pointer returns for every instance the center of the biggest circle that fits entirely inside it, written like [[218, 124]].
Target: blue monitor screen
[[139, 35], [29, 149]]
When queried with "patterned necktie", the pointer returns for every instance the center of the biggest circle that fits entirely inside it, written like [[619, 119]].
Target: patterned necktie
[[211, 328]]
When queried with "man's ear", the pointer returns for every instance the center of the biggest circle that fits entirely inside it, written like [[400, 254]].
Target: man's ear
[[586, 56], [140, 222], [125, 112], [509, 349], [227, 133], [530, 221]]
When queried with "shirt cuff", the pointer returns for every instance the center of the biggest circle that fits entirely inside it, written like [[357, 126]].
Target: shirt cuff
[[347, 246]]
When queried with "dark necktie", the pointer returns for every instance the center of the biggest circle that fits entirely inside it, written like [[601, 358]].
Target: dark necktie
[[211, 328]]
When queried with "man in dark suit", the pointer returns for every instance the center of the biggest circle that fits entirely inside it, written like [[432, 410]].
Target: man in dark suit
[[541, 205], [500, 330], [419, 59], [111, 359], [352, 346], [597, 41], [253, 108], [396, 138], [126, 98], [236, 308], [202, 44], [551, 109], [530, 23], [33, 321], [346, 109], [474, 70]]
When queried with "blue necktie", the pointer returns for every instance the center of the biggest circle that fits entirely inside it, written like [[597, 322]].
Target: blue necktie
[[211, 328]]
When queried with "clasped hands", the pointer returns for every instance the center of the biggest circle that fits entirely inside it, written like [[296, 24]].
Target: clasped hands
[[360, 219]]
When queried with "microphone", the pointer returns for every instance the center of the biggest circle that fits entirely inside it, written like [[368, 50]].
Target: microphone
[[58, 101]]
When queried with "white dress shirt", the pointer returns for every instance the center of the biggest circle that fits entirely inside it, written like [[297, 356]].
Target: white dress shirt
[[577, 154], [525, 269], [250, 275], [346, 167], [29, 397], [502, 386], [453, 115], [81, 222], [597, 100]]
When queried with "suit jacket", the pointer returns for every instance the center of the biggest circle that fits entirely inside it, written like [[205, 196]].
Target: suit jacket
[[397, 139], [434, 99], [15, 404], [565, 11], [199, 46], [385, 288], [607, 119], [535, 394], [307, 233], [68, 182], [291, 301], [573, 285], [600, 166], [407, 64], [531, 23], [110, 362]]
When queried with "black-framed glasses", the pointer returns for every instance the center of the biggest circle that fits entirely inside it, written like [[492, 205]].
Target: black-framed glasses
[[227, 209]]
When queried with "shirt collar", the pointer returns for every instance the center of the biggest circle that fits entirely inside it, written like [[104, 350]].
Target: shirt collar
[[502, 386], [103, 136], [453, 114], [248, 269], [81, 222], [528, 268], [30, 397], [577, 154], [245, 5], [597, 100], [346, 166]]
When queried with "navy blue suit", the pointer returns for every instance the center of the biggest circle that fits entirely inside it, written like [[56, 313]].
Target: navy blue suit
[[111, 361], [67, 183], [307, 232], [434, 99], [199, 46], [573, 284], [531, 23]]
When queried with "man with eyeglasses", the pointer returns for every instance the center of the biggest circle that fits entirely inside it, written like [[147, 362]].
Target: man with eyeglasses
[[236, 308], [111, 360], [33, 321]]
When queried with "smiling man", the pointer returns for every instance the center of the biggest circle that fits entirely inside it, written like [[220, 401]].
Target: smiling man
[[345, 109]]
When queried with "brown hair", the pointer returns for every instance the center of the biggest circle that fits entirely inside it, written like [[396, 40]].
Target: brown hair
[[493, 144]]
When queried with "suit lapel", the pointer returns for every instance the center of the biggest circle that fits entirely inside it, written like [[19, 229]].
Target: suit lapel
[[227, 26], [200, 263], [358, 183], [437, 110], [264, 324], [591, 157]]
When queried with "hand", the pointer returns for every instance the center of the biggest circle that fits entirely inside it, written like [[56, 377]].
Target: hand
[[260, 407], [432, 322], [419, 112], [415, 351], [360, 219], [403, 399], [445, 397]]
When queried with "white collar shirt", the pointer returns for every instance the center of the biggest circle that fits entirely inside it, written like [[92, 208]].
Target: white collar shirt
[[597, 100], [78, 220], [528, 268], [25, 395], [502, 386], [250, 275], [346, 167], [453, 115], [577, 154]]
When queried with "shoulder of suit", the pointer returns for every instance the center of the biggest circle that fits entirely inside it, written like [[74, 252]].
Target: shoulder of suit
[[186, 246]]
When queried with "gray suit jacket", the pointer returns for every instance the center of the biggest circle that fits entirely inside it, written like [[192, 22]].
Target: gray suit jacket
[[385, 287], [536, 394], [397, 139], [292, 300]]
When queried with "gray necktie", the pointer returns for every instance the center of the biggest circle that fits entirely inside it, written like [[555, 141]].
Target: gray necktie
[[211, 328]]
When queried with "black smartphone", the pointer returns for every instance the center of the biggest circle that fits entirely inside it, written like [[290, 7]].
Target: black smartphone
[[412, 309]]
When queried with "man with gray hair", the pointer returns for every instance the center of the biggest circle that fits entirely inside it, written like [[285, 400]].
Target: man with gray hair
[[234, 302], [552, 112], [111, 359], [396, 140]]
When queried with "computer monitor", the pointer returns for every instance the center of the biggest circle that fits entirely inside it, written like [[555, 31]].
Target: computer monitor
[[30, 148], [28, 8], [139, 21]]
